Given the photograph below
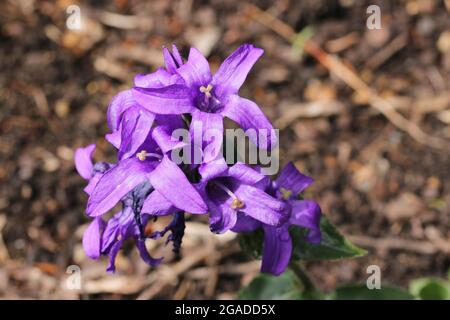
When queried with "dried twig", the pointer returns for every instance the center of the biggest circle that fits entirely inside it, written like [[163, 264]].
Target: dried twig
[[395, 243], [165, 276], [112, 69], [125, 22], [228, 269], [388, 51], [346, 74], [36, 93], [308, 110], [342, 43]]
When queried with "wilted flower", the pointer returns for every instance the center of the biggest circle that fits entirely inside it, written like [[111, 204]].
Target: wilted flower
[[106, 238], [176, 227]]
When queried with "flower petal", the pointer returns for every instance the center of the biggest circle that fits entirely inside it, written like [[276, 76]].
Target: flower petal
[[233, 71], [173, 59], [112, 256], [172, 99], [171, 182], [221, 217], [116, 108], [290, 178], [165, 140], [92, 183], [163, 132], [136, 124], [249, 116], [83, 161], [115, 138], [213, 169], [314, 236], [277, 250], [208, 128], [127, 223], [260, 205], [306, 214], [110, 233], [170, 122], [245, 223], [116, 183], [159, 78], [92, 238], [195, 71], [245, 174], [156, 204]]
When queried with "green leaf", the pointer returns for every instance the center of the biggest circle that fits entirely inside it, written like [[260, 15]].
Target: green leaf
[[333, 244], [430, 289], [300, 39], [361, 292], [267, 287]]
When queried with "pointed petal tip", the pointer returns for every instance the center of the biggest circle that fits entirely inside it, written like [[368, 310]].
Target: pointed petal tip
[[92, 238], [83, 161], [169, 180]]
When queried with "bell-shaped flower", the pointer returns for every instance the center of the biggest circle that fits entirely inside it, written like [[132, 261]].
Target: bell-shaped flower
[[209, 98], [146, 162], [234, 190], [277, 249]]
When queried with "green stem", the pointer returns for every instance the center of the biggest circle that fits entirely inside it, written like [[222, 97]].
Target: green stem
[[301, 273]]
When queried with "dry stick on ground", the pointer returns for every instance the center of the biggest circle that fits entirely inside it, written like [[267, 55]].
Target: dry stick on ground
[[164, 276], [395, 243], [388, 51], [335, 66], [308, 110]]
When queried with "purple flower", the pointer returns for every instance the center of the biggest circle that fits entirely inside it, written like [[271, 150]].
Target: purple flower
[[142, 154], [148, 165], [277, 248], [148, 184], [143, 157], [209, 98], [234, 190], [126, 118], [136, 129]]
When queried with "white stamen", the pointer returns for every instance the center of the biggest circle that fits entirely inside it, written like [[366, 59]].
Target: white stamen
[[206, 90], [286, 193], [142, 155]]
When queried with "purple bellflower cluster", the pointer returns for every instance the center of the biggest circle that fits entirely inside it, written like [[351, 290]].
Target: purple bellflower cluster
[[148, 183]]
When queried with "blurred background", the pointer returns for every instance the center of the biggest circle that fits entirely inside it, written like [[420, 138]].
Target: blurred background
[[379, 153]]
